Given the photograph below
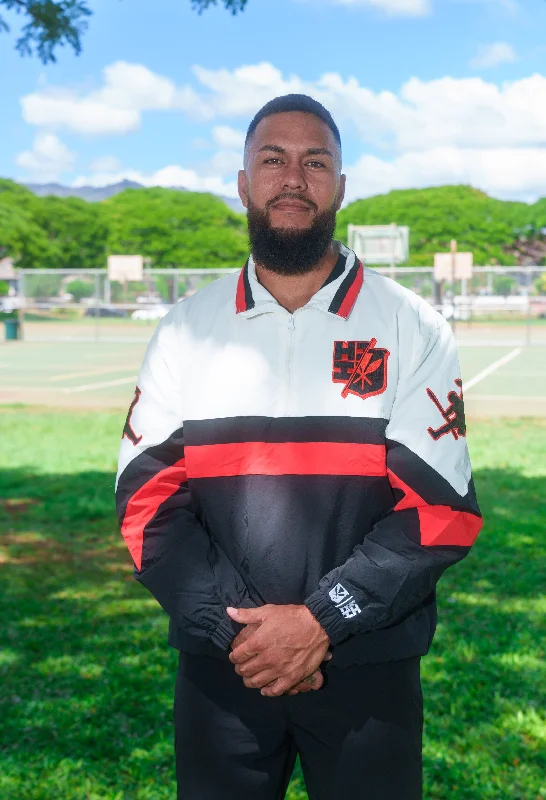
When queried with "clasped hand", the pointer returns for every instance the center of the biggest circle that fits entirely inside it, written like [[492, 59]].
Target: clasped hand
[[280, 649]]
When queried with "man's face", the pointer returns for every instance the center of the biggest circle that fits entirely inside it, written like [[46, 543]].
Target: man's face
[[292, 188]]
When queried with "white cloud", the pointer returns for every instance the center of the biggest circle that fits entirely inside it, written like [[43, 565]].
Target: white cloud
[[467, 112], [47, 160], [510, 173], [105, 164], [228, 138], [428, 132], [492, 55], [128, 90], [215, 174], [393, 8]]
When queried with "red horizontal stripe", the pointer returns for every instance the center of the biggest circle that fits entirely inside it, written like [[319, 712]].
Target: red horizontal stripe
[[439, 525], [143, 506], [285, 458]]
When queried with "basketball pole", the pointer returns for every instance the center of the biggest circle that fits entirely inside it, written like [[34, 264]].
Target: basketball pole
[[453, 249]]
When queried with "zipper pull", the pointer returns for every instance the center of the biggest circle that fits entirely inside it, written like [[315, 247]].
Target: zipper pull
[[291, 322]]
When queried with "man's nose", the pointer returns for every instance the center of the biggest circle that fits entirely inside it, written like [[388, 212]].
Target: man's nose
[[294, 178]]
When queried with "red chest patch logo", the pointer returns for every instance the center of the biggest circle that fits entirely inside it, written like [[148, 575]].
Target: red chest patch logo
[[361, 367]]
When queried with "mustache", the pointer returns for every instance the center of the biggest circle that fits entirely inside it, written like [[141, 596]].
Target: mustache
[[292, 196]]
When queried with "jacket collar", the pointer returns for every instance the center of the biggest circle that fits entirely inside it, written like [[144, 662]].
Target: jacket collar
[[337, 296]]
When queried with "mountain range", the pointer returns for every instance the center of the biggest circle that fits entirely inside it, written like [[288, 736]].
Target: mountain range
[[94, 194]]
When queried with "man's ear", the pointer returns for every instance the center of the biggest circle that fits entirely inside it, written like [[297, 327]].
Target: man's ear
[[341, 194], [242, 187]]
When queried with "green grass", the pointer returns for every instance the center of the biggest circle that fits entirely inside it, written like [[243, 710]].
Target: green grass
[[86, 677]]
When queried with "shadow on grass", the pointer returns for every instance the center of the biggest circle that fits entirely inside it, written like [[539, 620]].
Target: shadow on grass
[[87, 678]]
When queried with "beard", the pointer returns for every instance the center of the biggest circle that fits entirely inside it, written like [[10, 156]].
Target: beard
[[289, 251]]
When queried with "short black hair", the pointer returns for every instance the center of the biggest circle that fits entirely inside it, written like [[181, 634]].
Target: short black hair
[[294, 102]]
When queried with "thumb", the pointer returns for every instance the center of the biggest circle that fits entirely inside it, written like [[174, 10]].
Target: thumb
[[245, 616]]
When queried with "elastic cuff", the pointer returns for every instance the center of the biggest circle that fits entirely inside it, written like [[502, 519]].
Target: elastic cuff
[[329, 617], [223, 635]]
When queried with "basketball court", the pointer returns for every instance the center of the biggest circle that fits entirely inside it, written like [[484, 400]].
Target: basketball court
[[504, 379]]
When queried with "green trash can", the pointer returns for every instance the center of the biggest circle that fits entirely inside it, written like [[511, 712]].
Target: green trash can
[[13, 329]]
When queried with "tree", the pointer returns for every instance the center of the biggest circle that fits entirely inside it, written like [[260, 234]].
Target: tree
[[80, 289], [176, 229], [503, 284], [436, 215], [51, 24], [56, 23], [235, 6], [77, 233], [540, 284]]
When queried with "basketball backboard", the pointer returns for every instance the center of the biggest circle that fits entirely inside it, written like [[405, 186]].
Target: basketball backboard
[[380, 244], [452, 266], [125, 268]]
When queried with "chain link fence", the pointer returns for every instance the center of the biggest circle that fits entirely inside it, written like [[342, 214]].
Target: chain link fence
[[499, 304]]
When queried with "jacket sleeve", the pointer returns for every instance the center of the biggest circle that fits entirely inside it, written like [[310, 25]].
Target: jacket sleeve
[[434, 517], [175, 557]]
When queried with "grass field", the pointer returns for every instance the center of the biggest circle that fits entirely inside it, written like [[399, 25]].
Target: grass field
[[86, 677]]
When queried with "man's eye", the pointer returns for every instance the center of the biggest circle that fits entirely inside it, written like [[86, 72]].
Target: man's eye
[[271, 160], [315, 163]]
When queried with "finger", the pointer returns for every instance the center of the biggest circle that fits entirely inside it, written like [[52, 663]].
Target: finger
[[327, 656], [253, 666], [261, 679], [286, 683], [314, 681], [241, 637], [245, 652], [246, 616]]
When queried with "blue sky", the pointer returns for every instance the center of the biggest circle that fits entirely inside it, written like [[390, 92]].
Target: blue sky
[[425, 92]]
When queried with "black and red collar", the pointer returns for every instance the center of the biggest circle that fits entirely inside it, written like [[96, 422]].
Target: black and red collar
[[342, 301]]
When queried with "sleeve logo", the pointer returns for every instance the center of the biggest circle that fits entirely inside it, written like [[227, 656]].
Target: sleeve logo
[[453, 414], [338, 593], [361, 367], [346, 603], [128, 431]]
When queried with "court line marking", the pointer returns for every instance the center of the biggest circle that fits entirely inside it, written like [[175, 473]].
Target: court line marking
[[101, 371], [492, 368], [103, 385]]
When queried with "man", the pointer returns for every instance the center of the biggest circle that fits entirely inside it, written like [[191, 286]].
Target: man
[[293, 481]]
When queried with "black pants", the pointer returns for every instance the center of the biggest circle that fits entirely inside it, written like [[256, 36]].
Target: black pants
[[358, 737]]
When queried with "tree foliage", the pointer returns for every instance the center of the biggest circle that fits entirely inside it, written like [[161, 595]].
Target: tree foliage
[[480, 223], [51, 231], [50, 24], [170, 227], [194, 229], [56, 23], [235, 6], [80, 289], [178, 229]]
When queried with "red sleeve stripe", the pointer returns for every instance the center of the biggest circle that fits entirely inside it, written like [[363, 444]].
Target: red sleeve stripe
[[285, 458], [144, 504], [439, 525]]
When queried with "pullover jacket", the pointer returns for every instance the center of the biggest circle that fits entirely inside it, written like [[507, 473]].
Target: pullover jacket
[[317, 457]]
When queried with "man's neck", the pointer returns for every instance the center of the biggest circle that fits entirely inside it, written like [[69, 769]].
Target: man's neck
[[295, 291]]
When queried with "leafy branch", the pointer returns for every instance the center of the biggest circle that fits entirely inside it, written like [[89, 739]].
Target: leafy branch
[[56, 23]]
